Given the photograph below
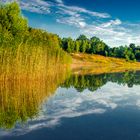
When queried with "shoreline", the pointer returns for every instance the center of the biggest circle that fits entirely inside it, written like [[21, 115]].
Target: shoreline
[[96, 64]]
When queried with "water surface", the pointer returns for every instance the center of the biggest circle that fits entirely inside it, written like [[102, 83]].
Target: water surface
[[85, 107]]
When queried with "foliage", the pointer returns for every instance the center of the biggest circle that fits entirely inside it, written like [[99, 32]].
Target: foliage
[[13, 26], [96, 46]]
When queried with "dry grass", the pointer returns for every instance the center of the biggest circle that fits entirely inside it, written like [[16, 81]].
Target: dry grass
[[30, 62], [96, 64]]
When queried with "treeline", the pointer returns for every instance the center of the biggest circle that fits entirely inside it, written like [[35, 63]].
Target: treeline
[[96, 46], [26, 51]]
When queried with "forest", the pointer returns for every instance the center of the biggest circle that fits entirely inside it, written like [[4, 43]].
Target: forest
[[96, 46]]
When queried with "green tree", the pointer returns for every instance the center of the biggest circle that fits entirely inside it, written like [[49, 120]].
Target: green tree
[[77, 46], [13, 25]]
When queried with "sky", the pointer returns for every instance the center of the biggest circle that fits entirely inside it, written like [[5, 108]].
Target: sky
[[116, 22]]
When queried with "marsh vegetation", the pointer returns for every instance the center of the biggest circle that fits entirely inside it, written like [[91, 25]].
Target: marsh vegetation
[[32, 65]]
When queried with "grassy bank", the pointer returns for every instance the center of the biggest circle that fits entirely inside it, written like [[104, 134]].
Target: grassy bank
[[96, 64]]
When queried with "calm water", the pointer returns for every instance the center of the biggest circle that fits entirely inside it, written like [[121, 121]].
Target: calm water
[[84, 107]]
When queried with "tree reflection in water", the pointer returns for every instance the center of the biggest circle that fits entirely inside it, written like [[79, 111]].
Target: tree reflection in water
[[93, 82]]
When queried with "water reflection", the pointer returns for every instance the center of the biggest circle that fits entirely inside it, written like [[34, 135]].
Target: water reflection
[[79, 95], [20, 99], [93, 82]]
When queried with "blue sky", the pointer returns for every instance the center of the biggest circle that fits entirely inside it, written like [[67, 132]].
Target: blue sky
[[117, 22]]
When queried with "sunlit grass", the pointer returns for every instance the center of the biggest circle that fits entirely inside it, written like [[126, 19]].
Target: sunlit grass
[[30, 62], [96, 64]]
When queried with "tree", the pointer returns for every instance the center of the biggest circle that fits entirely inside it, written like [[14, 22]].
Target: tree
[[98, 46], [137, 54], [77, 46], [12, 24], [132, 45], [68, 44], [82, 37]]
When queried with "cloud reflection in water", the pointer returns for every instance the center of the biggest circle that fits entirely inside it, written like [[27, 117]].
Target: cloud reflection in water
[[68, 103]]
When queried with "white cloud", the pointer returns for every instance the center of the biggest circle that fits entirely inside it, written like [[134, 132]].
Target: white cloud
[[82, 24], [59, 1], [138, 103], [111, 23], [43, 7], [36, 6], [77, 10], [113, 32], [73, 20]]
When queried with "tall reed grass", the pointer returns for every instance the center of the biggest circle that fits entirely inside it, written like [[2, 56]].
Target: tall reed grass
[[30, 62]]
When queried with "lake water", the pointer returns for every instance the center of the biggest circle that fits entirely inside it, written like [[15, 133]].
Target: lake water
[[84, 107]]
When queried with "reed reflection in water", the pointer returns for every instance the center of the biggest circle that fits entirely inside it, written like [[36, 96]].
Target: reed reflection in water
[[21, 99]]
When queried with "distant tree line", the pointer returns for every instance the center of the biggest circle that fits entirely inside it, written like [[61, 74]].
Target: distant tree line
[[96, 46]]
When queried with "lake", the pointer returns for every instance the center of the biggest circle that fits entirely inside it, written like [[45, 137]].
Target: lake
[[84, 107]]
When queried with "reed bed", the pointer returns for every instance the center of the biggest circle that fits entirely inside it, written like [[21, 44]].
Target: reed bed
[[30, 63]]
